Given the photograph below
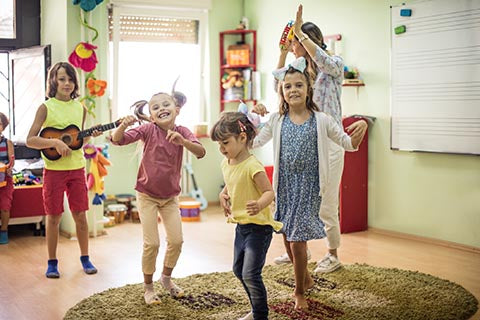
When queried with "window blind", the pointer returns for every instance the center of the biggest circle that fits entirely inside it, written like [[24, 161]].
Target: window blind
[[135, 28]]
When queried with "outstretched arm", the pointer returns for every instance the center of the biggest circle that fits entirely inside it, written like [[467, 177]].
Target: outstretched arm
[[329, 65], [118, 133]]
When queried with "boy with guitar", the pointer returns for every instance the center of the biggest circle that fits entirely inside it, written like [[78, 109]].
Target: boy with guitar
[[67, 172]]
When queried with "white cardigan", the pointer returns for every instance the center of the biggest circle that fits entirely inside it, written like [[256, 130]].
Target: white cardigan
[[326, 128]]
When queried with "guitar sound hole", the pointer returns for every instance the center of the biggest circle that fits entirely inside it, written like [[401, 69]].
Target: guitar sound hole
[[67, 139]]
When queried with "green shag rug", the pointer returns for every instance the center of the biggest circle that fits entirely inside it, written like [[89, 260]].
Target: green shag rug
[[358, 292]]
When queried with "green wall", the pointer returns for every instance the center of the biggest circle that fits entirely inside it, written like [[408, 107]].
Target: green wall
[[431, 195]]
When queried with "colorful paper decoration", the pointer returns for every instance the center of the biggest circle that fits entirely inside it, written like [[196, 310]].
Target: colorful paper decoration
[[87, 5]]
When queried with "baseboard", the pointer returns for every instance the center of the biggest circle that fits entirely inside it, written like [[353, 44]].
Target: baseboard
[[439, 242]]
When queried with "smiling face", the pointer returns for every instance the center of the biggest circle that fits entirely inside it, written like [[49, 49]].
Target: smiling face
[[65, 85], [163, 111], [295, 89]]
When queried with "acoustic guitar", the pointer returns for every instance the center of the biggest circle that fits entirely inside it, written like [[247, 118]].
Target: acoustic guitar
[[71, 136]]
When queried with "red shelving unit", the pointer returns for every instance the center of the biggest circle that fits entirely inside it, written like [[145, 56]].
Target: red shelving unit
[[245, 36]]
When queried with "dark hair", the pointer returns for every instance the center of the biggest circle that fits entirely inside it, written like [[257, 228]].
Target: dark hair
[[314, 33], [4, 120], [178, 98], [232, 124], [283, 105], [52, 79]]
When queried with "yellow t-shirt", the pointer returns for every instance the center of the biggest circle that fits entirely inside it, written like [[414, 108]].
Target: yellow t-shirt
[[242, 188], [61, 114]]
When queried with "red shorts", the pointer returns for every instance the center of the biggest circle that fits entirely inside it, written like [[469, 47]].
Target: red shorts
[[55, 183], [6, 195]]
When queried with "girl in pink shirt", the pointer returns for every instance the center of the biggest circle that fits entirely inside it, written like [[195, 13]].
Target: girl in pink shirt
[[158, 182]]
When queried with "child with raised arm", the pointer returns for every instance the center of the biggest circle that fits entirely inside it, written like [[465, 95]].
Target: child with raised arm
[[158, 182], [245, 200], [7, 157], [326, 71], [301, 135], [66, 174]]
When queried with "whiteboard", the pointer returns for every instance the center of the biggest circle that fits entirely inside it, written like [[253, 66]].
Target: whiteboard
[[435, 77]]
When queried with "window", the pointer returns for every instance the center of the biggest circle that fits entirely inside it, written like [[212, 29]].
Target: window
[[7, 19], [22, 87], [148, 51]]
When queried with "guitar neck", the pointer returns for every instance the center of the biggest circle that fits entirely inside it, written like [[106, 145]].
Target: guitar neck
[[194, 182], [105, 127]]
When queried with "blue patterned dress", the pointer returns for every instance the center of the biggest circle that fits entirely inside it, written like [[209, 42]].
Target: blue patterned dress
[[298, 199]]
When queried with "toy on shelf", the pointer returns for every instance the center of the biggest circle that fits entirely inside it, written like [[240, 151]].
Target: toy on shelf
[[232, 78], [352, 77]]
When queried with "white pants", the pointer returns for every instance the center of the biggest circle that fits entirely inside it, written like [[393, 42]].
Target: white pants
[[330, 200]]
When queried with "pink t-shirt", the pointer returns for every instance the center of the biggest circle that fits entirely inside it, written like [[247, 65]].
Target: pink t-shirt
[[160, 169]]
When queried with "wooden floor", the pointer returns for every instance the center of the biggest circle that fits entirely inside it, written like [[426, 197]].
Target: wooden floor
[[25, 293]]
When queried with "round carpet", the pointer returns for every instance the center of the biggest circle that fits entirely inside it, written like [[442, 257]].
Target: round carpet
[[359, 292]]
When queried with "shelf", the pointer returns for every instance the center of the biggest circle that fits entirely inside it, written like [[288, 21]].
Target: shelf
[[238, 100], [237, 31], [353, 85], [247, 37], [238, 66]]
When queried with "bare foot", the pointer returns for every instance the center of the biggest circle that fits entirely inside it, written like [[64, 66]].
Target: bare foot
[[309, 283], [300, 302]]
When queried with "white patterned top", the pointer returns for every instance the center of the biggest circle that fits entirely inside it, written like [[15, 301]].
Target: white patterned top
[[327, 88]]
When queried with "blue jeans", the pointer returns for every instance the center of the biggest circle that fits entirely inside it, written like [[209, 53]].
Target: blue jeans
[[251, 244]]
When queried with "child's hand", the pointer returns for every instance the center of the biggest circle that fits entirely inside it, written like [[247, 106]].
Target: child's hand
[[128, 121], [225, 203], [95, 132], [260, 109], [356, 131], [175, 138], [252, 207], [62, 148]]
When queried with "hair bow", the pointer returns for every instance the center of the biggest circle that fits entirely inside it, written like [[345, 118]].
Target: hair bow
[[252, 117], [298, 64]]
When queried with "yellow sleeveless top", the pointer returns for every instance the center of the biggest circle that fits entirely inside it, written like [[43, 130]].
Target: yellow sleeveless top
[[61, 114]]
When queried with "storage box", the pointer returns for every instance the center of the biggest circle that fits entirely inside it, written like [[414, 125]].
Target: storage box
[[238, 54]]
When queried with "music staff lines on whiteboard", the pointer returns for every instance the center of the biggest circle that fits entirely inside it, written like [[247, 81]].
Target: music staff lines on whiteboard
[[443, 23], [456, 15], [408, 55]]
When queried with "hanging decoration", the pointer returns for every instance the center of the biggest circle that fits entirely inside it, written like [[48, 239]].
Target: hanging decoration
[[87, 5], [96, 172], [96, 88], [84, 57]]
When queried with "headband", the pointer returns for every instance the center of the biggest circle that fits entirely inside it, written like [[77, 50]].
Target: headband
[[252, 117], [299, 64]]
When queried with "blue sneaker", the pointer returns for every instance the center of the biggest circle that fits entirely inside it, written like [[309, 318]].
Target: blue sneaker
[[52, 269], [3, 237], [88, 267]]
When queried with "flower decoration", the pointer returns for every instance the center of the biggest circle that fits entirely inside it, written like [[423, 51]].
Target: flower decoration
[[84, 56], [96, 87], [87, 5]]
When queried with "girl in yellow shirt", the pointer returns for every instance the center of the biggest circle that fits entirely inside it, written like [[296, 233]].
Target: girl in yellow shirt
[[245, 200]]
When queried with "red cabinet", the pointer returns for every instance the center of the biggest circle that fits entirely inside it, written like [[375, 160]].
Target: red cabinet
[[354, 186]]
